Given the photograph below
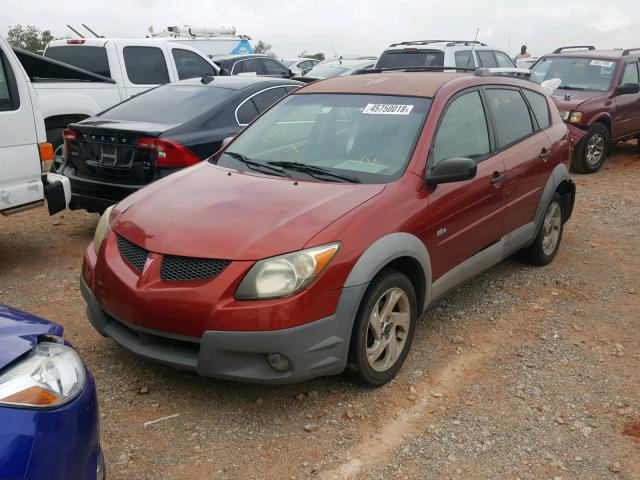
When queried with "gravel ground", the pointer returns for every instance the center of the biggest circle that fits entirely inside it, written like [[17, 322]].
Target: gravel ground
[[529, 373]]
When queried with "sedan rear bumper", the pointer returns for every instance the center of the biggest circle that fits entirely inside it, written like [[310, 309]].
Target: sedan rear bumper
[[315, 349]]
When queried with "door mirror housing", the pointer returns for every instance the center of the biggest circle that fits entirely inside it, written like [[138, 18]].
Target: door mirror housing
[[290, 73], [227, 141], [628, 89], [452, 170]]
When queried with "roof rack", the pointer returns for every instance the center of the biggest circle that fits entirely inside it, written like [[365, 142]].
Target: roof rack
[[628, 51], [574, 47], [449, 43], [509, 72], [432, 68]]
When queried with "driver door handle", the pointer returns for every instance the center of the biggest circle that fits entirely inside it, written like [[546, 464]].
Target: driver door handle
[[497, 178]]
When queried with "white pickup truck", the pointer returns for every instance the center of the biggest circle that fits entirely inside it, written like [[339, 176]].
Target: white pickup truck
[[121, 68], [24, 152]]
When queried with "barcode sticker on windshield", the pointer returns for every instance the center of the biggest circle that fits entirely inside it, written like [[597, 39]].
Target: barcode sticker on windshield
[[601, 63], [387, 109]]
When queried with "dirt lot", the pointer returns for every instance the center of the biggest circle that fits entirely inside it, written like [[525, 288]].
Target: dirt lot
[[523, 373]]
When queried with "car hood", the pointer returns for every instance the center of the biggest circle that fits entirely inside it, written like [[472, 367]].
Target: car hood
[[19, 332], [213, 212], [572, 99]]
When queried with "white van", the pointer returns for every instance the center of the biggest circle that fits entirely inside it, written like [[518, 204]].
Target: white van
[[24, 151]]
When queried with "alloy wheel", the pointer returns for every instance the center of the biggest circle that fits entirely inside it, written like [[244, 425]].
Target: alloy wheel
[[551, 228], [388, 329], [595, 149]]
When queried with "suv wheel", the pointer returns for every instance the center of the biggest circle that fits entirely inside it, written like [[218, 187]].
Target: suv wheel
[[384, 328], [545, 247], [592, 150]]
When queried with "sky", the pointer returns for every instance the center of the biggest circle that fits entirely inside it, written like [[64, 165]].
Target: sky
[[350, 27]]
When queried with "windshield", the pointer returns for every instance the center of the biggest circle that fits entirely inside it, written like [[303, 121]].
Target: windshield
[[89, 58], [410, 58], [369, 138], [326, 71], [170, 104], [576, 73]]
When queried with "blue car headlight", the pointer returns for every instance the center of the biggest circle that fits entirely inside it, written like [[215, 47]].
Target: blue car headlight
[[49, 376]]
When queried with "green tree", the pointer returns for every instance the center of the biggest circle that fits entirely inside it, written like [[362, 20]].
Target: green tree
[[29, 38], [262, 48], [318, 56]]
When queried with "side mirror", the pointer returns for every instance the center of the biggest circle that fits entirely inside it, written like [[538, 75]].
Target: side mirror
[[290, 73], [452, 170], [226, 141], [224, 72], [628, 89]]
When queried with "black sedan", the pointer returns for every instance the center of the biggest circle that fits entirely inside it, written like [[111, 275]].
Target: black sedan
[[253, 64], [152, 135]]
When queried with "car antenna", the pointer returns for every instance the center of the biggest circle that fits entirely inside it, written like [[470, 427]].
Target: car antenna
[[75, 31], [473, 46], [94, 33]]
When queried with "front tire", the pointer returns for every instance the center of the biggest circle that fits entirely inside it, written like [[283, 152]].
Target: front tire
[[384, 328], [547, 243], [592, 150]]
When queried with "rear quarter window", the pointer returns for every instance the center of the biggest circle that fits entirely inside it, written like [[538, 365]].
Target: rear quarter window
[[464, 59], [487, 59], [145, 65], [265, 99], [540, 108]]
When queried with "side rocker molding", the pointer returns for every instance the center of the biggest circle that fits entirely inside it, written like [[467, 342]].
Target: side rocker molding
[[385, 250]]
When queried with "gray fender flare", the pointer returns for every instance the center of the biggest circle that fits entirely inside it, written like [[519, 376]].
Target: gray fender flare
[[559, 175], [385, 250]]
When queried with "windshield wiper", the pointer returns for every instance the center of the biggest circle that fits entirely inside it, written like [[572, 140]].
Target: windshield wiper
[[570, 87], [257, 166], [314, 171]]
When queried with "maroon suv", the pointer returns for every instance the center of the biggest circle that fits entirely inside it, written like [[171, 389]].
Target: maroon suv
[[599, 93]]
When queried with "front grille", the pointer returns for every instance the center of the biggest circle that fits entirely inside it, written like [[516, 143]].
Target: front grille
[[136, 256], [187, 268]]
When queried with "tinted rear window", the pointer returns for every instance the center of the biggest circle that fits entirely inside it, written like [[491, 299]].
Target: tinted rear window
[[145, 65], [410, 58], [93, 59], [169, 104]]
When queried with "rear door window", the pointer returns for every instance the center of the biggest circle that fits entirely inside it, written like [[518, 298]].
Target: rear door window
[[630, 74], [539, 106], [487, 59], [503, 60], [266, 98], [464, 59], [89, 58], [511, 115], [463, 130], [191, 65], [8, 93], [251, 65], [145, 65], [411, 58], [271, 67], [246, 112]]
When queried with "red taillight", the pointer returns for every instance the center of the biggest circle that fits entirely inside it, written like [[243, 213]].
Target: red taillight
[[75, 42], [69, 136], [168, 153]]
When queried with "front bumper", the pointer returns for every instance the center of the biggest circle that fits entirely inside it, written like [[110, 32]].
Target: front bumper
[[58, 444], [319, 348]]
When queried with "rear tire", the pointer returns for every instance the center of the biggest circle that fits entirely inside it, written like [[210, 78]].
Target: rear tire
[[55, 138], [384, 328], [592, 150], [547, 243]]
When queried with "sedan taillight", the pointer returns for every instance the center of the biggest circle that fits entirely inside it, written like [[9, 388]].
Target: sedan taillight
[[168, 153]]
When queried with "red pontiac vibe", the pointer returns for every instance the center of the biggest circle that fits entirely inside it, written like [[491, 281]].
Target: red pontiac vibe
[[317, 237]]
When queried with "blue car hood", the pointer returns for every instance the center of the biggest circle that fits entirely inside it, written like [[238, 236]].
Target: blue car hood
[[19, 332]]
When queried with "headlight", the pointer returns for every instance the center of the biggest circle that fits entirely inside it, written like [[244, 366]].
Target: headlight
[[286, 274], [575, 117], [565, 114], [102, 230], [50, 376]]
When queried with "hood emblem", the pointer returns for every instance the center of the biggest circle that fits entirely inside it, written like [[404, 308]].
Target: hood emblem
[[567, 97]]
